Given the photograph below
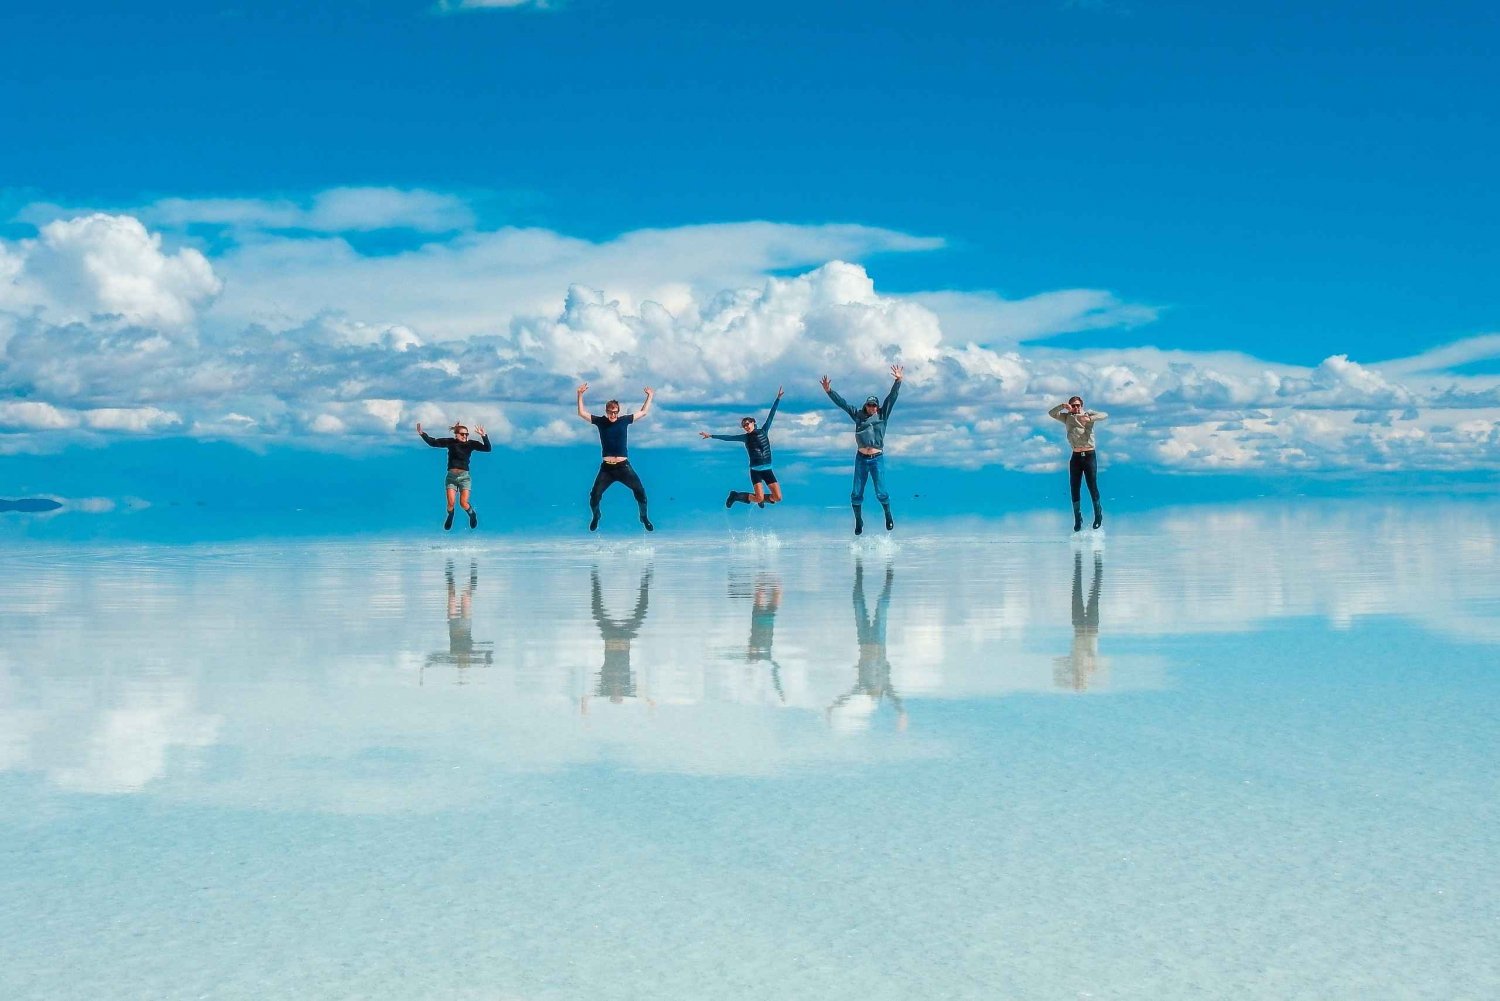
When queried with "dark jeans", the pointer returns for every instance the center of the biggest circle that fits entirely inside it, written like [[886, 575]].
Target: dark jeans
[[1084, 465], [869, 467], [619, 472]]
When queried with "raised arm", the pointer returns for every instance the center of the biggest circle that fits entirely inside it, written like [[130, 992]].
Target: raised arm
[[1059, 412], [838, 400], [741, 438], [581, 411], [774, 404], [429, 439], [483, 444], [646, 407], [1098, 415], [890, 398]]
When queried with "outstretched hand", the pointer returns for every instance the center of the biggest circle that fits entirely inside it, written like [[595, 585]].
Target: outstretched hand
[[897, 371], [780, 392], [702, 434], [827, 386], [479, 430], [583, 388], [650, 392], [419, 427]]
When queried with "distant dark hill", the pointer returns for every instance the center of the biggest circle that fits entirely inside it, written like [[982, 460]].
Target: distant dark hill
[[29, 504]]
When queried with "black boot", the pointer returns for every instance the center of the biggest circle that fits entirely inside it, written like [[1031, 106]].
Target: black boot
[[890, 522], [473, 518], [645, 520], [1098, 515], [594, 522], [448, 521], [859, 521], [1077, 519], [734, 495]]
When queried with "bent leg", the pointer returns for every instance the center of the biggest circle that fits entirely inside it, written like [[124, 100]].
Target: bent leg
[[861, 473], [877, 473], [626, 474], [775, 497], [602, 480]]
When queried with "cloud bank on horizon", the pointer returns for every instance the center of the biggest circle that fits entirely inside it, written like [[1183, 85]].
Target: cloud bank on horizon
[[267, 320]]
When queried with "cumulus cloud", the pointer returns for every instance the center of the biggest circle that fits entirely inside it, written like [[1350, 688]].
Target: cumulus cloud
[[103, 266], [106, 329]]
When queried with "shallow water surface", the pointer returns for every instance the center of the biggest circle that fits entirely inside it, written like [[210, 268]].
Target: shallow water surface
[[1240, 752]]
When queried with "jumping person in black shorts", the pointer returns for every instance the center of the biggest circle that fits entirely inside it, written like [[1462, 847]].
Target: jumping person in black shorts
[[758, 444], [459, 481], [616, 465]]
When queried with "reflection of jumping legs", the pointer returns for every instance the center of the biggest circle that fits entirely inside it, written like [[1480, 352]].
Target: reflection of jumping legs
[[869, 467], [462, 651], [1084, 466], [874, 670], [616, 679], [1078, 670], [609, 474]]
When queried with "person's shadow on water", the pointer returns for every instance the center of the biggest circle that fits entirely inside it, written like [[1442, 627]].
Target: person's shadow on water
[[616, 680], [1083, 666], [463, 652], [853, 709]]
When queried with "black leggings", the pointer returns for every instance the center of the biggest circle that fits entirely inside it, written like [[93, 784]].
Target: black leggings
[[619, 472], [1084, 465]]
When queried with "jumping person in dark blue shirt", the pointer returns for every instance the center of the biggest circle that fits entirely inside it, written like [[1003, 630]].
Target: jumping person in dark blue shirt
[[758, 445], [616, 465], [869, 447], [459, 481]]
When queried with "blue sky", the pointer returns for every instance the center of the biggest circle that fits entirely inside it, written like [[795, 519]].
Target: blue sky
[[1263, 238]]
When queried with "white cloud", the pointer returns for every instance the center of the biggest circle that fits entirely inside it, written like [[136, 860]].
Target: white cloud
[[456, 6], [102, 331], [136, 420], [337, 210], [107, 266], [35, 417]]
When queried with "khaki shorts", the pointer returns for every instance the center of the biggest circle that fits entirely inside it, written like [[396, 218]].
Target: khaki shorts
[[459, 479]]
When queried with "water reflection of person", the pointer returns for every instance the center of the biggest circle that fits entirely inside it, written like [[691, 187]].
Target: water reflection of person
[[1078, 670], [874, 671], [767, 600], [616, 679], [462, 651]]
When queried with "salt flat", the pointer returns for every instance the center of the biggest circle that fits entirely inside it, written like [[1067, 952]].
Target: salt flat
[[1234, 752]]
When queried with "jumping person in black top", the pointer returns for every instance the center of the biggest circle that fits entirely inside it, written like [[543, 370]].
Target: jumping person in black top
[[459, 481], [758, 445], [616, 465]]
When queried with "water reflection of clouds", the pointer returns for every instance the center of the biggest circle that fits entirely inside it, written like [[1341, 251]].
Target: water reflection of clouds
[[122, 669]]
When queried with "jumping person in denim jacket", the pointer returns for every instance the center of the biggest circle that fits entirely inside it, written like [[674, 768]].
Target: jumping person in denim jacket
[[869, 443]]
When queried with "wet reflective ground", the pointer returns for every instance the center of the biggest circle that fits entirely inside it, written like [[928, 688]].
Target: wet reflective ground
[[1243, 752]]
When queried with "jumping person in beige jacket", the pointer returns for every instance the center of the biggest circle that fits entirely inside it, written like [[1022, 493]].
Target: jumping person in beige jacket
[[1084, 464]]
